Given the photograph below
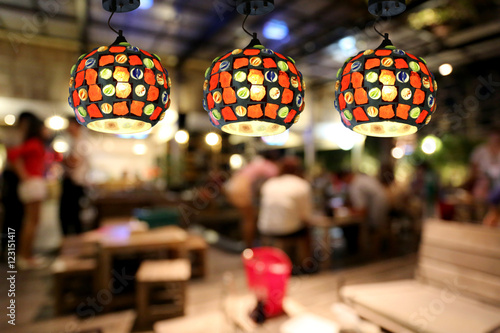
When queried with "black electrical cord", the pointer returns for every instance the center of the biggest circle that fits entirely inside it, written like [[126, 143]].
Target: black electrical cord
[[243, 26], [109, 23]]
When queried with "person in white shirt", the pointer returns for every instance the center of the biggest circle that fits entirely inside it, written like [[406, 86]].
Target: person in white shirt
[[286, 202]]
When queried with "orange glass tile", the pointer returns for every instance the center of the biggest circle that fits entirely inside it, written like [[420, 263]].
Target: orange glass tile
[[271, 110], [357, 57], [116, 49], [255, 111], [81, 66], [120, 108], [229, 96], [280, 55], [76, 98], [156, 113], [357, 79], [283, 79], [158, 66], [286, 96], [400, 63], [341, 102], [210, 101], [146, 53], [91, 76], [106, 60], [381, 53], [360, 114], [153, 93], [415, 80], [292, 67], [149, 76], [386, 112], [251, 52], [228, 114], [225, 79], [402, 111], [227, 55], [360, 96], [418, 97], [240, 62], [372, 63], [95, 93], [90, 54], [136, 108], [134, 60], [411, 56], [269, 63], [423, 68]]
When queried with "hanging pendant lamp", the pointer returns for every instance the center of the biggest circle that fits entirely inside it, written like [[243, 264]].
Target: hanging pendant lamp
[[119, 88], [253, 91], [385, 92]]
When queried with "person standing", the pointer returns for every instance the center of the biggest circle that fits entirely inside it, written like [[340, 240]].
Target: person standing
[[28, 160], [74, 180]]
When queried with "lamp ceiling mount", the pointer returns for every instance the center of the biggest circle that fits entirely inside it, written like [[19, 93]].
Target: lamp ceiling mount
[[120, 6], [254, 7], [386, 8]]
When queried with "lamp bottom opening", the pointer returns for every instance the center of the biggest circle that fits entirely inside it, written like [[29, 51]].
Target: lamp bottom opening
[[385, 129], [253, 128], [120, 126]]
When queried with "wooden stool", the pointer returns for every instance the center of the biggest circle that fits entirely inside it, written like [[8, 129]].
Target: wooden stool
[[161, 289], [73, 281], [197, 249]]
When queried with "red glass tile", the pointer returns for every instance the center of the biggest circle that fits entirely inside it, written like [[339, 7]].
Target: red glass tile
[[76, 98], [146, 53], [345, 82], [423, 68], [422, 117], [347, 68], [214, 80], [120, 108], [255, 111], [360, 114], [149, 76], [411, 56], [341, 102], [357, 57], [81, 66], [156, 113], [292, 67], [210, 101], [136, 108], [79, 79], [158, 66], [280, 55], [228, 114], [357, 80], [91, 76], [229, 96], [386, 112], [290, 116], [216, 67], [94, 111], [402, 111], [271, 110], [227, 55], [90, 54]]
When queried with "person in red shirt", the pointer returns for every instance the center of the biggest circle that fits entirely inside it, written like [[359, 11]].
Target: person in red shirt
[[28, 160]]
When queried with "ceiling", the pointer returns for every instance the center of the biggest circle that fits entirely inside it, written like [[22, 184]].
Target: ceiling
[[321, 32]]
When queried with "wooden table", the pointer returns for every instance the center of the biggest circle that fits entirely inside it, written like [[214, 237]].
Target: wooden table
[[118, 241], [328, 222]]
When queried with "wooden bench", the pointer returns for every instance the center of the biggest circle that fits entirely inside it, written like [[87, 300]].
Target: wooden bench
[[73, 281], [456, 289], [161, 289], [197, 251]]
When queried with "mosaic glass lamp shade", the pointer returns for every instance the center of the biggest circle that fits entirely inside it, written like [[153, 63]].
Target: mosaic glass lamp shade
[[253, 91], [119, 89], [385, 92]]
